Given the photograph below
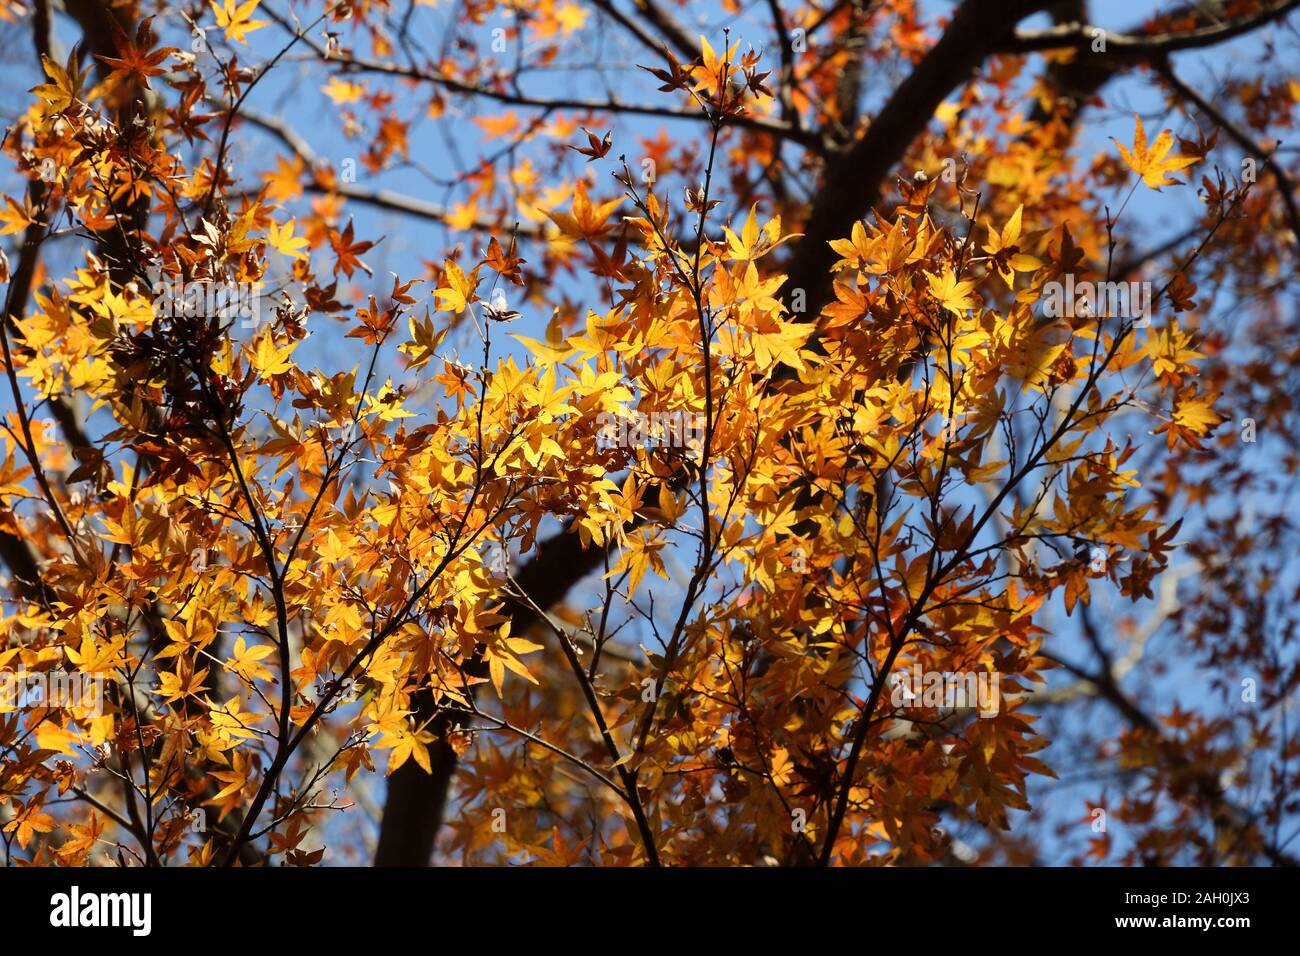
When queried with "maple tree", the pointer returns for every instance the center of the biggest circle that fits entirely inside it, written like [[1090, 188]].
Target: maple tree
[[609, 532]]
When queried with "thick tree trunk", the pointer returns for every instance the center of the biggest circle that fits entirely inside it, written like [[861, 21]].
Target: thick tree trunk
[[417, 801], [852, 183]]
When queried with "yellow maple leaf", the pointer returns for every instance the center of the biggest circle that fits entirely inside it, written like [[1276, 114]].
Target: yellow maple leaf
[[952, 295], [753, 242], [713, 65], [30, 822], [269, 359], [246, 660], [424, 341], [1150, 162], [587, 220], [1197, 415], [283, 183], [571, 18], [64, 85], [234, 782], [234, 20], [16, 218], [462, 216], [343, 91], [282, 240], [407, 745], [459, 292]]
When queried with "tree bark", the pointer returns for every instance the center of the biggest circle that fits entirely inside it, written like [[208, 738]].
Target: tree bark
[[417, 801]]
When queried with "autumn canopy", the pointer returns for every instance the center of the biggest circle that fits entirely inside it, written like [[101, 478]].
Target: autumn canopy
[[827, 433]]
